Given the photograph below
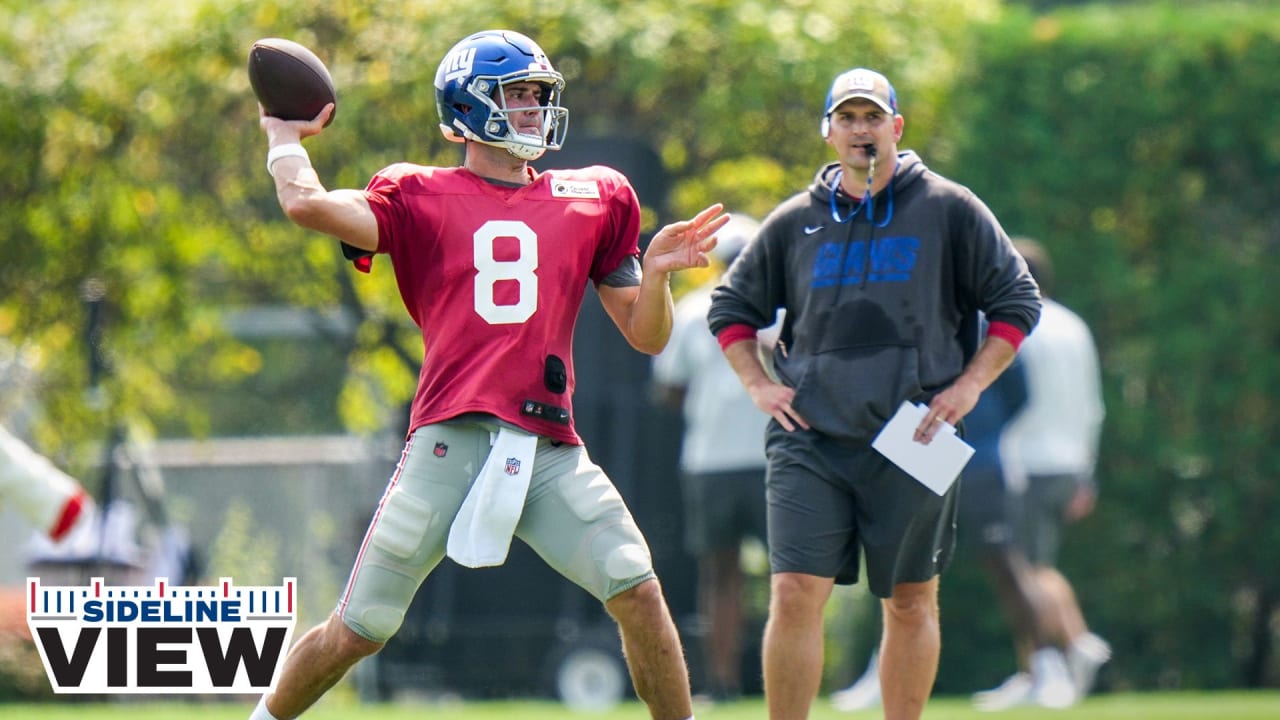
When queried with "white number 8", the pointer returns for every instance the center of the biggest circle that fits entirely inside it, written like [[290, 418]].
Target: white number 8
[[489, 271]]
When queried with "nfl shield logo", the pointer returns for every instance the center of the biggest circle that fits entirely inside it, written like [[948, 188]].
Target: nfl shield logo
[[441, 449], [513, 466]]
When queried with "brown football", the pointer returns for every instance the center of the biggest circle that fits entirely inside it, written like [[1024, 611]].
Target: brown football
[[289, 80]]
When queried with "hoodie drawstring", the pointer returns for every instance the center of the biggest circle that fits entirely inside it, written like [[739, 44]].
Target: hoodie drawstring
[[867, 201]]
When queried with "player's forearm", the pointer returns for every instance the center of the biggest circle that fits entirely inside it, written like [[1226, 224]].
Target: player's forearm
[[344, 214], [296, 184], [650, 321], [290, 167]]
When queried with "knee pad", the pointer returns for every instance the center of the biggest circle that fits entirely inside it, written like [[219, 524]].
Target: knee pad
[[622, 561], [627, 562], [375, 623]]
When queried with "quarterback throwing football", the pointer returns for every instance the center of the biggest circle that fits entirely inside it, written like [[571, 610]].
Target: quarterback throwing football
[[492, 260]]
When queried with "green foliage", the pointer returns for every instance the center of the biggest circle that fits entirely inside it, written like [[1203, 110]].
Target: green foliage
[[244, 550], [22, 676], [1134, 143]]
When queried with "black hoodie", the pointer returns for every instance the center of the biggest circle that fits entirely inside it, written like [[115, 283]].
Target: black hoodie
[[882, 297]]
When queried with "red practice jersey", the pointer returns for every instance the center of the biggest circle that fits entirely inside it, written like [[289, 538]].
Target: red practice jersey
[[494, 276]]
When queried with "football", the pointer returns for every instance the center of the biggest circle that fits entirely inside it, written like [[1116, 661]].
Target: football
[[290, 81]]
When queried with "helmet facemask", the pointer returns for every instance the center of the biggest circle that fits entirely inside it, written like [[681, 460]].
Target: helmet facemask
[[498, 128]]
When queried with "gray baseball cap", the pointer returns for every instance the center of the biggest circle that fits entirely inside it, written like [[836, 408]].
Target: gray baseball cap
[[862, 83]]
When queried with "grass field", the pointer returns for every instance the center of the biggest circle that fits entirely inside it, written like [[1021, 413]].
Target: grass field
[[1136, 706]]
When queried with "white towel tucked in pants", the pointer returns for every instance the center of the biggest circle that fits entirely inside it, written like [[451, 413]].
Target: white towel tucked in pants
[[481, 533]]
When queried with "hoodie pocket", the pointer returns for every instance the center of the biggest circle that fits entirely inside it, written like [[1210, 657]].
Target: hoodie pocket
[[849, 393]]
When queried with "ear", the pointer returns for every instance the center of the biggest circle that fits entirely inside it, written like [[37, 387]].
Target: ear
[[898, 124]]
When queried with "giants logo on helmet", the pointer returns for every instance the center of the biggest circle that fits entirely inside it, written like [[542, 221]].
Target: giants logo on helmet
[[457, 64]]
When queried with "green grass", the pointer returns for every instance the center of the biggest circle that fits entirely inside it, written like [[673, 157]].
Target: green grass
[[1239, 705]]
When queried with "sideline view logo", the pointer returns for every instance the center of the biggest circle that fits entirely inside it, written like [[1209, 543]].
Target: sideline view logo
[[162, 639]]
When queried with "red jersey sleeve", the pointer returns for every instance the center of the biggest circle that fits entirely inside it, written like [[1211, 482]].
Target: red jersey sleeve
[[385, 199], [623, 224]]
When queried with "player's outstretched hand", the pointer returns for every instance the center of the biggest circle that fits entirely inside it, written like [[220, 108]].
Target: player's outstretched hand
[[293, 130], [685, 244]]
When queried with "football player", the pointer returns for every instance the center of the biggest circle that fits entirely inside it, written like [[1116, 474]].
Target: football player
[[492, 259]]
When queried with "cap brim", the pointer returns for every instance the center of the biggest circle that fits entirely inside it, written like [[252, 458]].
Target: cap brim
[[865, 96]]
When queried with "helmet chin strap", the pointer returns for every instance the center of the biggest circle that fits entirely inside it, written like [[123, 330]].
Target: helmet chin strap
[[521, 151], [516, 150], [524, 152]]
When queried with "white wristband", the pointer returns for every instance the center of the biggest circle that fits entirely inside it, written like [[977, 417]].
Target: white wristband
[[283, 151]]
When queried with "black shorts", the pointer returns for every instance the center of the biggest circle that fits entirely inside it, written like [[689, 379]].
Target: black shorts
[[827, 501], [722, 508], [989, 515]]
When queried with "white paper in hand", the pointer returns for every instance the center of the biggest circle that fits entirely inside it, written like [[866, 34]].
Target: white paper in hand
[[936, 465]]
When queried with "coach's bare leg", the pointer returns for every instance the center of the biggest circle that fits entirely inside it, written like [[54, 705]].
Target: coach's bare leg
[[316, 663], [910, 648], [652, 648], [793, 643]]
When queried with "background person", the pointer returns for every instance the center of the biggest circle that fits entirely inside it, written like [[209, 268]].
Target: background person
[[48, 498], [991, 502], [721, 463], [1054, 442], [492, 260], [882, 268], [53, 502]]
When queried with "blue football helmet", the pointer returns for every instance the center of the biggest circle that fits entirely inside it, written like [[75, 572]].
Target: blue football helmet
[[471, 102]]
